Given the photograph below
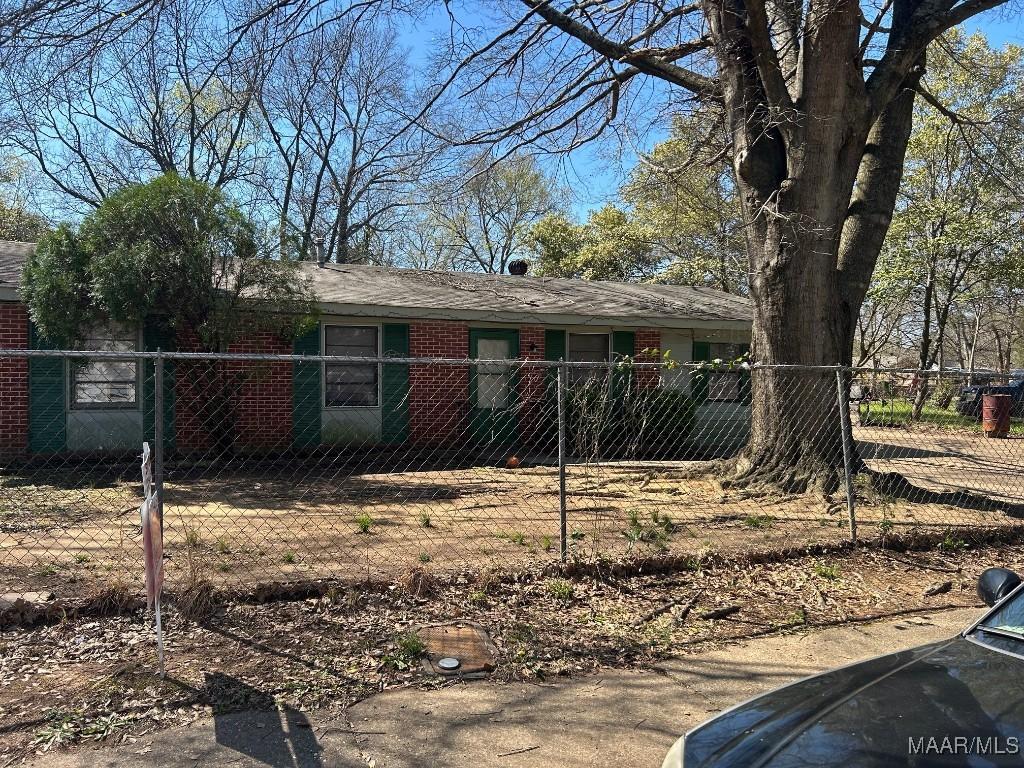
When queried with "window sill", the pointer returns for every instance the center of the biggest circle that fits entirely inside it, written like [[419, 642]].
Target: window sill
[[104, 407]]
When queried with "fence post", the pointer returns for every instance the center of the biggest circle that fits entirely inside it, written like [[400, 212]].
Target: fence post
[[158, 434], [563, 522], [847, 431]]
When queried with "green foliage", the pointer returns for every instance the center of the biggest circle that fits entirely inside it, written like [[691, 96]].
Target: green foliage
[[951, 260], [610, 246], [680, 222], [556, 242], [173, 249], [364, 522], [951, 543], [69, 727], [56, 286], [193, 539], [759, 521], [684, 192], [18, 224], [561, 589], [654, 531], [408, 647], [827, 571]]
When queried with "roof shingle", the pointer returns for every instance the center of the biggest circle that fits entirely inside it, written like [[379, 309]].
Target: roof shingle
[[470, 294], [390, 292], [13, 256]]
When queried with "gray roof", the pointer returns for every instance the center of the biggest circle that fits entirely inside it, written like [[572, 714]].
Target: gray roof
[[386, 292], [12, 258]]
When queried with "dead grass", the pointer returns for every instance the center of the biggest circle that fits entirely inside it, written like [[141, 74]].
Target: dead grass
[[332, 650], [273, 524], [114, 597]]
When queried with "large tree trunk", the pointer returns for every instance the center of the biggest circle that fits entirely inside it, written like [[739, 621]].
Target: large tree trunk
[[817, 196], [795, 440]]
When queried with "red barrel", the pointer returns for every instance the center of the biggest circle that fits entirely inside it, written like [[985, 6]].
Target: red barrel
[[995, 415]]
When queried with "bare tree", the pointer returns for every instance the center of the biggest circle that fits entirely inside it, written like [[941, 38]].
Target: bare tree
[[163, 96], [483, 216], [348, 156], [881, 326]]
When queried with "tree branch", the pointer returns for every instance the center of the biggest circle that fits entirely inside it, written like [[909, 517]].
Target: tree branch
[[651, 65]]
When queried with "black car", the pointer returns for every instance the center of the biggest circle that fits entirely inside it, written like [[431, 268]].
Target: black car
[[959, 702], [970, 400]]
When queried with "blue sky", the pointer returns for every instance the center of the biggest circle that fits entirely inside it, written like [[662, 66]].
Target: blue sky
[[1001, 26]]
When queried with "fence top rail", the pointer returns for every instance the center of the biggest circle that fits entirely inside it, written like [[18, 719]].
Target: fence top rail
[[630, 362], [282, 358]]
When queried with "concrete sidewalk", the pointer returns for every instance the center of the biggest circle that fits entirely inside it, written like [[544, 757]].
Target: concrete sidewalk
[[616, 718]]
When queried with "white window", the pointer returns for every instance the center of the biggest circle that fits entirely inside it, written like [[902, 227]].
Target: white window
[[724, 385], [588, 348], [106, 383], [493, 380], [351, 384]]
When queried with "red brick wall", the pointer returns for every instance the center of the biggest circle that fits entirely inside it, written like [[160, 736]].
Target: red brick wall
[[439, 404], [647, 338], [438, 394], [13, 380], [262, 393]]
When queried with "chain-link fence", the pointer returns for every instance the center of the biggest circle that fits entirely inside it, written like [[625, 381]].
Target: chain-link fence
[[276, 468]]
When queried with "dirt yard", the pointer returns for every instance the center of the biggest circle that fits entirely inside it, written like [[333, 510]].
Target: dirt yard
[[65, 530], [90, 679]]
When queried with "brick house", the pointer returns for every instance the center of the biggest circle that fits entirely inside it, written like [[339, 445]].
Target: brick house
[[52, 405]]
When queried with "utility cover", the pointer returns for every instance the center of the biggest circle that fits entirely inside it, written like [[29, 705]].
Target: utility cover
[[463, 641]]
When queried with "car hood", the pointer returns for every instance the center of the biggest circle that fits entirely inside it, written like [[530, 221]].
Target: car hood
[[877, 713]]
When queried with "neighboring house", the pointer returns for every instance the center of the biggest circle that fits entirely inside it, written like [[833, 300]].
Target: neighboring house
[[51, 405]]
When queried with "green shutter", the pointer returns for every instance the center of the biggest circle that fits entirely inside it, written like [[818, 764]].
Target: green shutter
[[699, 388], [554, 349], [395, 386], [554, 345], [47, 399], [306, 392], [156, 336], [623, 343]]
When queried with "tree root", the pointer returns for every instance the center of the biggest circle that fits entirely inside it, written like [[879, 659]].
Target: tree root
[[776, 476]]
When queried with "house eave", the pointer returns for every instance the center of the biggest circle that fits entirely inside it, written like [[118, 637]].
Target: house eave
[[526, 318]]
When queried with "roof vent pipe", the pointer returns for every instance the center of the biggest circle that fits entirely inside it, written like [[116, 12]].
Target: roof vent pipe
[[518, 267], [318, 249]]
